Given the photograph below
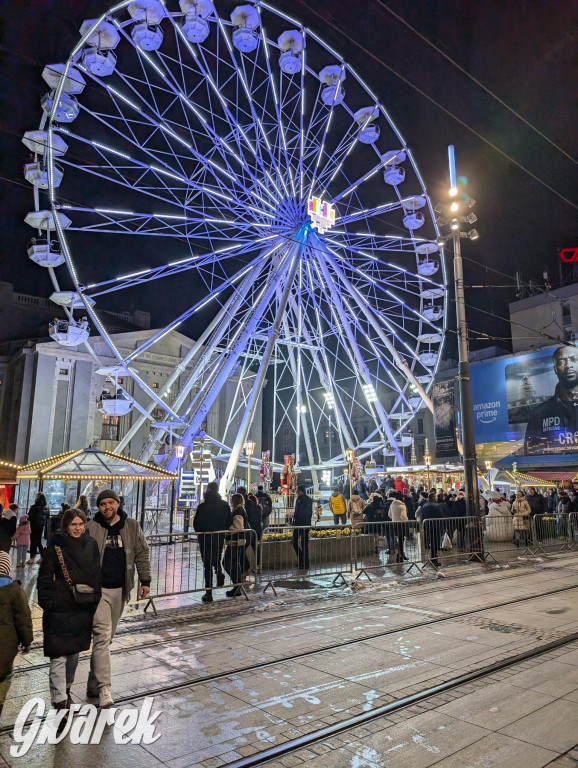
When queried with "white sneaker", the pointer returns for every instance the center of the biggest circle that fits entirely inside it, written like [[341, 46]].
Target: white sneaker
[[105, 700]]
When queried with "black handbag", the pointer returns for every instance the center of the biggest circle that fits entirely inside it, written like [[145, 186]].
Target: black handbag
[[82, 593]]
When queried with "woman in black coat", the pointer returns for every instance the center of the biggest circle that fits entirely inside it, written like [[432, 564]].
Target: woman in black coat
[[67, 626], [37, 516], [7, 529]]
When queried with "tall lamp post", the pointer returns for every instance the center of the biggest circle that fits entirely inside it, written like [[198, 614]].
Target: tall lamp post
[[349, 457], [249, 448], [455, 216], [489, 472], [427, 460]]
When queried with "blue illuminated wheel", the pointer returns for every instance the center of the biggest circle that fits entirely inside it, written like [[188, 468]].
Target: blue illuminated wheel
[[227, 154]]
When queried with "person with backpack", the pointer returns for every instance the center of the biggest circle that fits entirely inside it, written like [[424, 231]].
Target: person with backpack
[[338, 508]]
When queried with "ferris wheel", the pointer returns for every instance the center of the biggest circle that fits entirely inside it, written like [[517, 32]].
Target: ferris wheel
[[223, 156]]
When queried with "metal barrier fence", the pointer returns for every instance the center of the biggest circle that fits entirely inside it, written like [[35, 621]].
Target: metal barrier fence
[[195, 562], [377, 546], [287, 552], [452, 538]]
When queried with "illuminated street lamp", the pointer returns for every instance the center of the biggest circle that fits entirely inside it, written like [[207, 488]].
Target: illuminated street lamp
[[427, 460], [488, 472], [349, 457], [249, 448]]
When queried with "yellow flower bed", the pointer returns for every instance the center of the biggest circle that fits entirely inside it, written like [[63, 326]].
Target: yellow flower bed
[[315, 533]]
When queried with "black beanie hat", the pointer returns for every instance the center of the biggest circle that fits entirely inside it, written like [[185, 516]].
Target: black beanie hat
[[108, 493]]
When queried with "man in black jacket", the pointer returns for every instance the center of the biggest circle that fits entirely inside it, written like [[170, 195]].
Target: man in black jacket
[[432, 515], [538, 504], [266, 505], [213, 514], [303, 515]]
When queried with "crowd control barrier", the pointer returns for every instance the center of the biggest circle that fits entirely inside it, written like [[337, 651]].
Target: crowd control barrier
[[377, 546], [198, 562]]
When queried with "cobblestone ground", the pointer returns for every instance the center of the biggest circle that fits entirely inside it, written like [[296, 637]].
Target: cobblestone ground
[[236, 677]]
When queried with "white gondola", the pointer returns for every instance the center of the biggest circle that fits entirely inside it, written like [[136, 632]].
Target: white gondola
[[104, 36], [69, 333], [368, 131], [415, 401], [65, 111], [149, 11], [99, 63], [74, 82], [147, 36], [70, 299], [413, 218], [37, 141], [430, 337], [393, 174], [195, 29], [291, 47], [426, 249], [429, 359], [45, 253], [45, 220], [428, 267], [114, 405], [432, 293], [246, 21], [333, 92], [37, 175], [406, 439], [202, 8], [432, 312]]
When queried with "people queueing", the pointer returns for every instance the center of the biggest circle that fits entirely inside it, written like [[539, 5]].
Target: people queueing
[[38, 515], [235, 551], [15, 625], [373, 514], [213, 514], [21, 540], [355, 507], [253, 538], [460, 514], [266, 503], [432, 521], [69, 590], [398, 515], [522, 519], [122, 547], [7, 529], [302, 523], [338, 507]]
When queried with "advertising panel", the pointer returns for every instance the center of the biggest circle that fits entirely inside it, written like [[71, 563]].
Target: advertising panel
[[531, 397], [444, 420]]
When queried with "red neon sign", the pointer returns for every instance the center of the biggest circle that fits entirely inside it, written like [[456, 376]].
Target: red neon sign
[[569, 255]]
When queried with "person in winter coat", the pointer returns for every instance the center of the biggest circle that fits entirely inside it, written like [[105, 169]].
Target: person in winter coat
[[123, 548], [398, 515], [538, 504], [7, 530], [522, 519], [499, 523], [355, 507], [252, 540], [266, 503], [432, 523], [15, 625], [235, 552], [21, 539], [303, 515], [338, 508], [373, 488], [37, 516], [459, 512], [213, 514], [66, 624], [399, 484]]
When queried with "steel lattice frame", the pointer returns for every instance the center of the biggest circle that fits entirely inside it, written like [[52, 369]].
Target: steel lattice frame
[[220, 151]]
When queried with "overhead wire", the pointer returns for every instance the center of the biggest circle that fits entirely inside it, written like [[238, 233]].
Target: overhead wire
[[465, 72], [441, 107]]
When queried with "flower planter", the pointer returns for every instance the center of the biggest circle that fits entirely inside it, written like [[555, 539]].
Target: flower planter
[[330, 549]]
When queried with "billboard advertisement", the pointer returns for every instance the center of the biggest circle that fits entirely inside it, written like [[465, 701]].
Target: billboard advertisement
[[531, 397], [446, 443]]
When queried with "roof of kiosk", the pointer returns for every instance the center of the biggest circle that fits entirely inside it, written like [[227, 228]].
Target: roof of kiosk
[[92, 464]]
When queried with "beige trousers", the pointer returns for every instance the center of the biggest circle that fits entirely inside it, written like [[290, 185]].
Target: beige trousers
[[104, 626]]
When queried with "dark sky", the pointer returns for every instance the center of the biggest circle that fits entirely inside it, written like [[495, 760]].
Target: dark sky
[[524, 52]]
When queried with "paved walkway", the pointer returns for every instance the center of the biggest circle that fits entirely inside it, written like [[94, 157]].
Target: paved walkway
[[320, 657]]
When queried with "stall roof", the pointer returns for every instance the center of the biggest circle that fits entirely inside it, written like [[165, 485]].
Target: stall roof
[[8, 472], [92, 464]]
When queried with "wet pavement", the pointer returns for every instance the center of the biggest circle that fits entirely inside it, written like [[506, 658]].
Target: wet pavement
[[239, 677]]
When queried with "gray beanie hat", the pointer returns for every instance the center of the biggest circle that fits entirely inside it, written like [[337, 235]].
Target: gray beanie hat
[[5, 564], [108, 493]]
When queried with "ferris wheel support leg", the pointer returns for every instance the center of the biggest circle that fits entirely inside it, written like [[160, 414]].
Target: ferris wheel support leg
[[220, 322], [295, 256], [359, 358]]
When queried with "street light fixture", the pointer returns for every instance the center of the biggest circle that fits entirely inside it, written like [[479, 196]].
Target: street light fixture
[[249, 448], [427, 460], [488, 472]]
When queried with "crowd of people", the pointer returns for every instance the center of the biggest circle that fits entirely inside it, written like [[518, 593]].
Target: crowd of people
[[86, 576]]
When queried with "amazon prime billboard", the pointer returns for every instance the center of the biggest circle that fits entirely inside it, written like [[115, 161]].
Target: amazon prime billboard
[[531, 397]]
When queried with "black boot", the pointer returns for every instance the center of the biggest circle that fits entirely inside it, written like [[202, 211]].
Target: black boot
[[207, 597], [221, 579], [235, 592], [68, 697], [62, 723]]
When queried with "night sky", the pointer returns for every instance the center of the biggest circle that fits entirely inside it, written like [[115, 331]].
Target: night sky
[[523, 52]]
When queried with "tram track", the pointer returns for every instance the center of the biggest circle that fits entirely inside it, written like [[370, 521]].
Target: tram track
[[271, 621], [174, 687]]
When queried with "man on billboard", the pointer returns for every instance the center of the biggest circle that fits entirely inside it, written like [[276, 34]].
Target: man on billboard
[[553, 425]]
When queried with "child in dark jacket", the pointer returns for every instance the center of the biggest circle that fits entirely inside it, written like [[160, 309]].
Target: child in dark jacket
[[15, 625]]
